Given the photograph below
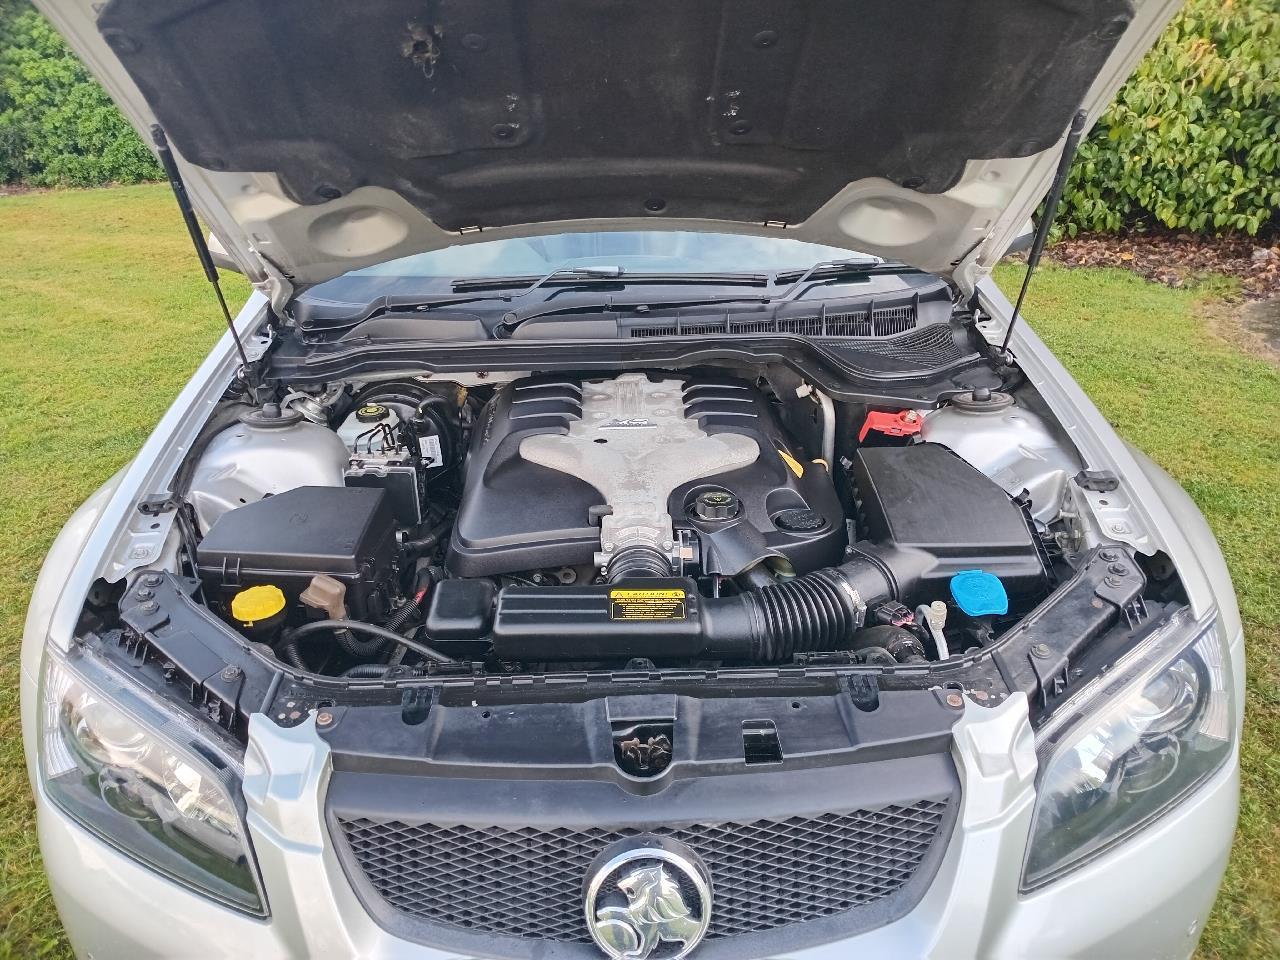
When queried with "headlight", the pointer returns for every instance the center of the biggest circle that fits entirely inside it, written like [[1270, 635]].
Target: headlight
[[1130, 747], [139, 778]]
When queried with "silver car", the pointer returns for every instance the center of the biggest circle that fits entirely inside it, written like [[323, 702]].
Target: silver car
[[625, 519]]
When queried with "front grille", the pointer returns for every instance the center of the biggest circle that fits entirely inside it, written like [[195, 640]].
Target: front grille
[[528, 882]]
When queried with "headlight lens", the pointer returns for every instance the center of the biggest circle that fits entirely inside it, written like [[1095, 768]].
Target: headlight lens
[[133, 775], [1130, 748]]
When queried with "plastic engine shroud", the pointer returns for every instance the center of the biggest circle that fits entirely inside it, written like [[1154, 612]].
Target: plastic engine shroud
[[517, 514]]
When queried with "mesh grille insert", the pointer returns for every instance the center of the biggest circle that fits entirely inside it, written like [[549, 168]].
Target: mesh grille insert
[[528, 882]]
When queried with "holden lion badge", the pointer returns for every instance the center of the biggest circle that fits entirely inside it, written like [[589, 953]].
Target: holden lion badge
[[648, 898]]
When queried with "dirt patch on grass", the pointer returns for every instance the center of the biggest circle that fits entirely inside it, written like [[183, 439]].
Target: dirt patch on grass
[[1252, 326], [1177, 259]]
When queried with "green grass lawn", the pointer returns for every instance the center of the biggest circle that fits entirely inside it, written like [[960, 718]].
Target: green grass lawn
[[106, 315]]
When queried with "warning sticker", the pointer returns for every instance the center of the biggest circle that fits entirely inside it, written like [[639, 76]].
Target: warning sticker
[[429, 447], [646, 605]]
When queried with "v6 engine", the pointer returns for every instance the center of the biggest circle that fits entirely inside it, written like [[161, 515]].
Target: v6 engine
[[640, 475]]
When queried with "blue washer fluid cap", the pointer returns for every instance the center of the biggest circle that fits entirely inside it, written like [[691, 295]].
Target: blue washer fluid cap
[[979, 594]]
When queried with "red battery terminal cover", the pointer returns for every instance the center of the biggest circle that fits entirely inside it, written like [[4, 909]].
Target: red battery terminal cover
[[904, 423]]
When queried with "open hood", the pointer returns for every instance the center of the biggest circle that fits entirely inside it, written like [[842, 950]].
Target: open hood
[[316, 139]]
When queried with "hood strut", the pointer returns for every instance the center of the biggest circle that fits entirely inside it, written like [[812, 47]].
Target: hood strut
[[1046, 219], [197, 238]]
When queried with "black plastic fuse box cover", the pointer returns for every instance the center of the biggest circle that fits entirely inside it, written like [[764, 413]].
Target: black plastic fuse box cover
[[345, 532]]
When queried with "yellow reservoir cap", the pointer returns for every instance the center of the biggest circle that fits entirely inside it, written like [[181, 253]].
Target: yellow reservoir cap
[[255, 604]]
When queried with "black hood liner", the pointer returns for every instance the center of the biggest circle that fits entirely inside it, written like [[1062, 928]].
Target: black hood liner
[[497, 112]]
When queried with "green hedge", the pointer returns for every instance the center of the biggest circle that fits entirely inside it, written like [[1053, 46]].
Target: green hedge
[[58, 127], [1192, 141]]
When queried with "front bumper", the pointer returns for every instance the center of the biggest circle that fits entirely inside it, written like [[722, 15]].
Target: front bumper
[[1148, 898]]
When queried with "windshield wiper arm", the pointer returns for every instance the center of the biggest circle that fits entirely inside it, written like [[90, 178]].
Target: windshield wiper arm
[[508, 324], [833, 269], [591, 275], [573, 276]]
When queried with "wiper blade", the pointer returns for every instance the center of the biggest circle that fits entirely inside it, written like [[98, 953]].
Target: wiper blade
[[831, 269], [590, 275], [586, 277]]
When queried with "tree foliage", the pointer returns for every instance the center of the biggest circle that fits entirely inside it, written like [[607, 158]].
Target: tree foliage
[[1192, 141], [58, 127]]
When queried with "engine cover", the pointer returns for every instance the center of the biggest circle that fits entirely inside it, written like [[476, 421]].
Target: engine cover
[[568, 473]]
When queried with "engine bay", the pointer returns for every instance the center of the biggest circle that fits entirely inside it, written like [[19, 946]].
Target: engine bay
[[641, 521]]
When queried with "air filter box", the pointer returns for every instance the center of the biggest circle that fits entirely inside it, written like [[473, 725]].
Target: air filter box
[[348, 533], [925, 501]]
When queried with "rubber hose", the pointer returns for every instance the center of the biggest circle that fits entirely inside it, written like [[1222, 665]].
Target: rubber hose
[[358, 648], [424, 544], [377, 671], [359, 626], [291, 655], [813, 612], [401, 616], [817, 611]]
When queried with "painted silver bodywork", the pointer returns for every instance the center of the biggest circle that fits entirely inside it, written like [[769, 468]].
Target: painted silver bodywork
[[1148, 897], [245, 463], [1015, 447]]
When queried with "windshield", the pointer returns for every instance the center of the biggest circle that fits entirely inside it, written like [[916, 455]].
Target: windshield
[[638, 252]]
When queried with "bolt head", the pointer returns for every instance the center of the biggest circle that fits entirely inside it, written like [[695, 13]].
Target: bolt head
[[955, 700], [149, 607], [1040, 650], [324, 718], [1109, 555], [231, 673]]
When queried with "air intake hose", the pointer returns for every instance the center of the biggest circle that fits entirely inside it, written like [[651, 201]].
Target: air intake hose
[[664, 618], [818, 611]]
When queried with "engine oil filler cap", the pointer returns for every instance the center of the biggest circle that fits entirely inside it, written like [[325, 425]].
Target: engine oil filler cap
[[716, 505], [979, 594], [256, 604]]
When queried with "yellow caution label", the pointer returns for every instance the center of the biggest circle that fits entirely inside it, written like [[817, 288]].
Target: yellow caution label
[[647, 605]]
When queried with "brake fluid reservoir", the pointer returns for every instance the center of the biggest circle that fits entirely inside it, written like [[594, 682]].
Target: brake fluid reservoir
[[268, 452], [1015, 447]]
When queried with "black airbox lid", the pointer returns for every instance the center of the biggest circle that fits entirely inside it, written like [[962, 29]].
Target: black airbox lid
[[345, 532], [923, 497]]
